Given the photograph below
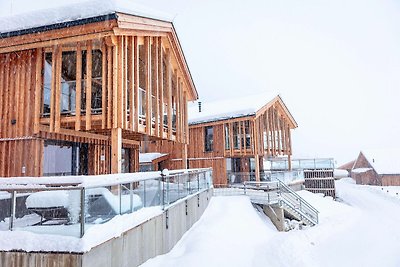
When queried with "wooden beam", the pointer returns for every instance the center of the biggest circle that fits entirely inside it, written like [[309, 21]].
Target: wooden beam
[[57, 106], [116, 146], [103, 85], [52, 86], [160, 87], [78, 92], [155, 85], [115, 87], [169, 92], [110, 87], [89, 57], [136, 83], [148, 85], [129, 90]]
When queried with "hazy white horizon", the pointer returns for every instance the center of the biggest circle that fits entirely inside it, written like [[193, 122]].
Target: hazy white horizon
[[336, 64]]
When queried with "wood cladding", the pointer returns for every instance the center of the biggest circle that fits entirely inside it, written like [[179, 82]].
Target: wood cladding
[[103, 55], [17, 90]]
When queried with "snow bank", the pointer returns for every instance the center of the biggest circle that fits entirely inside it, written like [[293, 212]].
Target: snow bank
[[149, 157], [47, 199], [94, 235], [359, 230]]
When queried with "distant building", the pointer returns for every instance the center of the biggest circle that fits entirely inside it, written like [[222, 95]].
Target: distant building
[[377, 167], [347, 166]]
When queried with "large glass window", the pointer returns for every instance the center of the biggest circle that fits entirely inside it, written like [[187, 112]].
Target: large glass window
[[47, 83], [209, 139], [126, 160], [69, 79], [227, 139], [68, 82], [247, 134], [236, 135], [65, 158]]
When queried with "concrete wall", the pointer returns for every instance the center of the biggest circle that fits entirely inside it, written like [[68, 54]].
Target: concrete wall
[[276, 215], [154, 237]]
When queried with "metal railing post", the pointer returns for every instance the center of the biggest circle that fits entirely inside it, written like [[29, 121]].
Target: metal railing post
[[82, 230], [120, 198], [131, 196], [144, 193], [162, 197], [13, 205]]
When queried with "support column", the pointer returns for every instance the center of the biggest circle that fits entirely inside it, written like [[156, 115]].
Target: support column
[[116, 147], [184, 156], [257, 162]]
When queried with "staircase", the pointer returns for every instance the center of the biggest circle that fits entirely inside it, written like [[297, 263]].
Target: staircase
[[276, 194]]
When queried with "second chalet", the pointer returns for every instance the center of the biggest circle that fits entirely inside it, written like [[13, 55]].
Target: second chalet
[[233, 136]]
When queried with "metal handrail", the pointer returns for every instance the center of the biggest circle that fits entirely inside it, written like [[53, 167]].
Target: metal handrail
[[291, 198]]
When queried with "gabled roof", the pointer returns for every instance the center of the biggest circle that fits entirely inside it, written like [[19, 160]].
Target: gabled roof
[[121, 15], [248, 105], [384, 161], [347, 166], [65, 13]]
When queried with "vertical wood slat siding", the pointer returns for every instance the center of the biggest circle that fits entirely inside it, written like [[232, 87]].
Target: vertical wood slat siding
[[11, 165], [18, 94]]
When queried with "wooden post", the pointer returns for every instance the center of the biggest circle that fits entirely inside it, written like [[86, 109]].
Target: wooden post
[[136, 81], [257, 162], [88, 85], [169, 92], [116, 146], [148, 85], [38, 89], [103, 85], [78, 94], [57, 105], [160, 87]]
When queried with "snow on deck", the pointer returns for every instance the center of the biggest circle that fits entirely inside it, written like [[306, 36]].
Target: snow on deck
[[28, 15], [149, 157], [359, 230], [94, 235], [229, 108], [384, 161]]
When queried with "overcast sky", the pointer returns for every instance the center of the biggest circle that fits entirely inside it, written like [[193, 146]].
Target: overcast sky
[[336, 63]]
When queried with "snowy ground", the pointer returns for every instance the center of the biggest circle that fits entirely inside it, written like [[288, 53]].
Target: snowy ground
[[360, 230]]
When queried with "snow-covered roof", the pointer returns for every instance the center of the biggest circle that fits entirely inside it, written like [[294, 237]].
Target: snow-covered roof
[[384, 161], [229, 108], [149, 157], [361, 170], [29, 15]]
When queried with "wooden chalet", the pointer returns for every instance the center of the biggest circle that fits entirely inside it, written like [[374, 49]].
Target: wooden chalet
[[377, 167], [78, 94], [233, 137]]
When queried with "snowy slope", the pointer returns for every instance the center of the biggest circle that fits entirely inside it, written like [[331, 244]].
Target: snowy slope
[[361, 230]]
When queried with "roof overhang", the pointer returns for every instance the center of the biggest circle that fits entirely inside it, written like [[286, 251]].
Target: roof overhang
[[278, 102], [115, 23]]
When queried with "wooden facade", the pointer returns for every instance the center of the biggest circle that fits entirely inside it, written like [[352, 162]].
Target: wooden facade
[[245, 140], [365, 172], [106, 83]]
